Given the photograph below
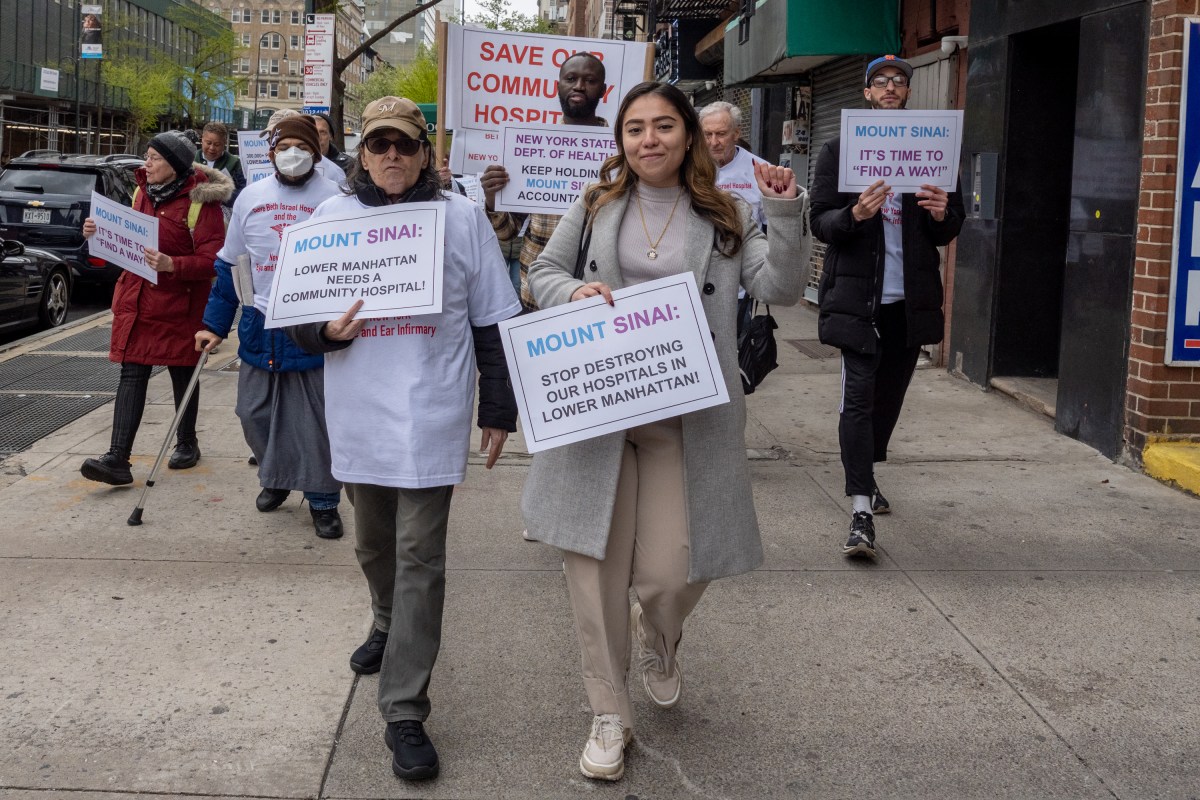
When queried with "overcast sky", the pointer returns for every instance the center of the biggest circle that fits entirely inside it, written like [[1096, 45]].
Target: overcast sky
[[523, 6]]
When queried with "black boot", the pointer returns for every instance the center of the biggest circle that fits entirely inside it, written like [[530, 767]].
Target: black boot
[[186, 455], [270, 499], [111, 468], [327, 522]]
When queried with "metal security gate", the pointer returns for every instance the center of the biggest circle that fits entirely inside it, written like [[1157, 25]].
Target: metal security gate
[[836, 85]]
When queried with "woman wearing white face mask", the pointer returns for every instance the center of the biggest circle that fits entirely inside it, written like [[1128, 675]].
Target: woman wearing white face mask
[[281, 396]]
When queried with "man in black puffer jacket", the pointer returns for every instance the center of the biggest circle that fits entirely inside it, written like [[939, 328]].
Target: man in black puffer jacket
[[880, 298]]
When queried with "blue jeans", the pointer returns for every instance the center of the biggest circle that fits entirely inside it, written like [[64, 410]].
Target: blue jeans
[[514, 273], [322, 501]]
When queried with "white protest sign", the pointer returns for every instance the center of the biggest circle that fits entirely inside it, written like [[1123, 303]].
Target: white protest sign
[[584, 369], [495, 78], [902, 148], [473, 188], [252, 152], [548, 165], [122, 236], [390, 258]]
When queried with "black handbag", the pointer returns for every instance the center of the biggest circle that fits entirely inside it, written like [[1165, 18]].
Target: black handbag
[[584, 241], [756, 350]]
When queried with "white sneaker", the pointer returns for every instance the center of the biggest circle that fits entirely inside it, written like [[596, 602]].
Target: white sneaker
[[663, 690], [604, 754]]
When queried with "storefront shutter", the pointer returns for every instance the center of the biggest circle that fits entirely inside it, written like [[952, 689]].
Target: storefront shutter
[[836, 85]]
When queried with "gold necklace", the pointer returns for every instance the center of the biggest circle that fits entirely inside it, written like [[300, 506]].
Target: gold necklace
[[652, 253]]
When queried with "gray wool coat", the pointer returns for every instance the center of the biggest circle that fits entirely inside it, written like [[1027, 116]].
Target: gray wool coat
[[570, 491]]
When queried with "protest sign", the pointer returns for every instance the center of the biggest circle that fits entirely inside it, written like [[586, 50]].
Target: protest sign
[[390, 258], [493, 78], [584, 369], [473, 189], [548, 165], [122, 236], [252, 152], [902, 148]]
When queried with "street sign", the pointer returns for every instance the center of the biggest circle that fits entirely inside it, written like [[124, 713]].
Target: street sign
[[1183, 311], [318, 63]]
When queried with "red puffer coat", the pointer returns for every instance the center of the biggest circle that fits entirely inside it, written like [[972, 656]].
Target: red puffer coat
[[157, 324]]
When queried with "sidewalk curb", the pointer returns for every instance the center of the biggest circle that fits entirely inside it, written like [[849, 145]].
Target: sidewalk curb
[[1174, 463]]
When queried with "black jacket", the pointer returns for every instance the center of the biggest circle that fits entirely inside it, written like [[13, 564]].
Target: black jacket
[[852, 283], [497, 403]]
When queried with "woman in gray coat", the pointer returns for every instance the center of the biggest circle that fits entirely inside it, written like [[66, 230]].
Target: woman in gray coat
[[664, 507]]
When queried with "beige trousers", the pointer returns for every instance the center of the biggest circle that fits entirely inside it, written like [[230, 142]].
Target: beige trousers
[[648, 549]]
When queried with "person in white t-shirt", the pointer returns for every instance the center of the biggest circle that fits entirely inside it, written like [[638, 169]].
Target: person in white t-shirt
[[399, 394], [722, 124], [281, 400]]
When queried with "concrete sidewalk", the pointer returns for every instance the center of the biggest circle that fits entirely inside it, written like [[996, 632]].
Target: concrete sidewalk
[[1031, 629]]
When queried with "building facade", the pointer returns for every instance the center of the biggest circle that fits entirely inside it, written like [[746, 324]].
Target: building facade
[[271, 33], [73, 110]]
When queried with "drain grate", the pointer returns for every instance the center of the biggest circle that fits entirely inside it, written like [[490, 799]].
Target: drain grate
[[22, 367], [26, 419], [65, 374], [813, 348], [93, 340]]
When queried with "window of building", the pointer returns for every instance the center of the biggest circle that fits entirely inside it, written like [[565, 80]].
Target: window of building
[[245, 40], [245, 15], [295, 41], [296, 18], [293, 91], [276, 41], [293, 67], [274, 89], [264, 16], [235, 15]]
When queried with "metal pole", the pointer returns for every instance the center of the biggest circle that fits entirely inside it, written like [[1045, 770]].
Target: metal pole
[[257, 73], [78, 134], [136, 517]]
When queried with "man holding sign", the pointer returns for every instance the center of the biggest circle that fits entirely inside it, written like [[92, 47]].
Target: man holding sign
[[281, 397], [398, 398], [581, 86], [880, 298]]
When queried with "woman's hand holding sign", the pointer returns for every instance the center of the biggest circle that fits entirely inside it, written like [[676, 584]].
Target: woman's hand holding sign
[[592, 290], [775, 181], [345, 327]]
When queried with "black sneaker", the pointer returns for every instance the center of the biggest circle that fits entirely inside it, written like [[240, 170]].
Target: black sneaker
[[186, 456], [879, 503], [862, 536], [413, 756], [111, 468], [367, 659], [270, 499], [327, 522]]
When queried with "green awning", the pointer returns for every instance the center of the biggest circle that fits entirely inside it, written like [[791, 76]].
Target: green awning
[[792, 36]]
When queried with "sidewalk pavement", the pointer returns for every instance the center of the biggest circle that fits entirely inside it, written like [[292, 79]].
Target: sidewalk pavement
[[1030, 630]]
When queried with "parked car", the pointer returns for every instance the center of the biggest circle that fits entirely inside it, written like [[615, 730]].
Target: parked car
[[35, 287], [45, 196]]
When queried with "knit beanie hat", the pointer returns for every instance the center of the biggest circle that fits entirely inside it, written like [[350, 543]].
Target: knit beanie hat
[[176, 149], [298, 127]]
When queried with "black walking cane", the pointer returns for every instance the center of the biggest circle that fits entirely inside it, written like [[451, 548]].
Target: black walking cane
[[136, 517]]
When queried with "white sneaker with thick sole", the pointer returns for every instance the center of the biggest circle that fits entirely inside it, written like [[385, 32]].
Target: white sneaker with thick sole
[[604, 754], [662, 689]]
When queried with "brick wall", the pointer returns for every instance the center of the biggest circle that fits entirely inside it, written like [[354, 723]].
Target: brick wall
[[1161, 401]]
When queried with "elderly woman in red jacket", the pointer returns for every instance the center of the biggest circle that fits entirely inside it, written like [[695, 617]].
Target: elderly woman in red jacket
[[153, 324]]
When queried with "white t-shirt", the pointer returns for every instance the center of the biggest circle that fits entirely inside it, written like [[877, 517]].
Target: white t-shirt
[[331, 171], [893, 248], [398, 401], [260, 214], [737, 177]]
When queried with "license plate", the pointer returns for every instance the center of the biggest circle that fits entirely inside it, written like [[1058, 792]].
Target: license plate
[[39, 216]]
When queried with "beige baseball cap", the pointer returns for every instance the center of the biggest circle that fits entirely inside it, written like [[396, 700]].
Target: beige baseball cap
[[399, 113]]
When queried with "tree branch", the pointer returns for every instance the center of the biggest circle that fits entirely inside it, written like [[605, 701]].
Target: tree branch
[[340, 64]]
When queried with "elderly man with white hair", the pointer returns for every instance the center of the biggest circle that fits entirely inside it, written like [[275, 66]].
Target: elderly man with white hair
[[722, 124]]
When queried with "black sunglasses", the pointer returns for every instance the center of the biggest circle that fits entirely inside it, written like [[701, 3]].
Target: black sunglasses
[[380, 145]]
